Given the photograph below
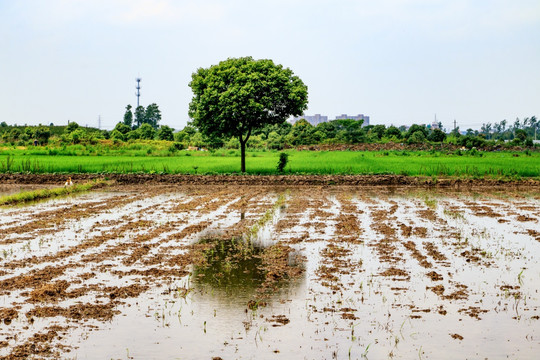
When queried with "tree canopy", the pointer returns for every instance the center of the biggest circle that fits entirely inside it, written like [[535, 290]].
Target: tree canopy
[[240, 95]]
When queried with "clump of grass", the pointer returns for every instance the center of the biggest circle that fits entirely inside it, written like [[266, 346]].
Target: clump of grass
[[35, 195], [268, 215]]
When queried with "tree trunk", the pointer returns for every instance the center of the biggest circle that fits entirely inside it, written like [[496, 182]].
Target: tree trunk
[[243, 155], [243, 143]]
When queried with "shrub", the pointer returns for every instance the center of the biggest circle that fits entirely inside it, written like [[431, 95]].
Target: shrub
[[176, 147], [417, 137], [165, 133], [117, 135], [282, 162]]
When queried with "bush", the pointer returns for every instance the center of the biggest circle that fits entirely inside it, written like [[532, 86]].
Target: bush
[[165, 133], [283, 160], [117, 135], [417, 137], [176, 147]]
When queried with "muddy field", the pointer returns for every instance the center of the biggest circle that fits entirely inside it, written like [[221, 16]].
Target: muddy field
[[241, 272]]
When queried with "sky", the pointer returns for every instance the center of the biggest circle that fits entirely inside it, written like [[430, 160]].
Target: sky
[[398, 61]]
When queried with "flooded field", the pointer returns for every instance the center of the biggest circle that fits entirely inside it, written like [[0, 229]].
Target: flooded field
[[245, 272]]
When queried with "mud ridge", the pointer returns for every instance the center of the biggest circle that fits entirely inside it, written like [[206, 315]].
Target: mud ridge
[[232, 179]]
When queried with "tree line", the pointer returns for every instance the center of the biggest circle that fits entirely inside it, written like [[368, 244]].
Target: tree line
[[280, 136]]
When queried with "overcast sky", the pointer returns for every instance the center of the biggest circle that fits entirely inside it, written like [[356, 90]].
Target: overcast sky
[[398, 61]]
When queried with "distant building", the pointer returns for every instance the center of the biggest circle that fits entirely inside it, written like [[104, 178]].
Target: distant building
[[354, 117], [318, 118], [313, 120]]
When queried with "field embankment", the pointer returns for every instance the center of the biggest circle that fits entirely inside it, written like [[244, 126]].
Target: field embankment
[[288, 180]]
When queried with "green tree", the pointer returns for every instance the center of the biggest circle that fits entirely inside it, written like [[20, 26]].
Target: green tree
[[14, 134], [301, 133], [152, 115], [147, 132], [42, 134], [140, 116], [350, 130], [128, 116], [72, 126], [417, 137], [437, 135], [414, 128], [274, 141], [520, 134], [378, 131], [455, 132], [122, 127], [117, 135], [392, 131], [241, 94], [77, 136], [165, 133], [134, 134], [197, 140], [328, 128]]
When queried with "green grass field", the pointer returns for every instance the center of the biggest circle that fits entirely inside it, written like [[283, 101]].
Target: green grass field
[[494, 164]]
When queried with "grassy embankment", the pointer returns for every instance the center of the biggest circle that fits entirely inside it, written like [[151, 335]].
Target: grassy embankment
[[412, 163], [35, 195]]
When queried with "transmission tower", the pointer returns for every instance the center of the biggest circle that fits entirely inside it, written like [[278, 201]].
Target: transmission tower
[[138, 87]]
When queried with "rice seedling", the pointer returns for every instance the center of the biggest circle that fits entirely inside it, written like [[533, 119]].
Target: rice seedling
[[28, 196]]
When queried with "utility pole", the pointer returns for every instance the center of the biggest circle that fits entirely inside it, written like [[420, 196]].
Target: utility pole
[[138, 87], [454, 124]]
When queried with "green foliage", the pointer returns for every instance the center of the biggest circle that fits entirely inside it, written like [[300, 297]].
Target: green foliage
[[117, 135], [437, 135], [233, 143], [133, 157], [152, 115], [128, 116], [469, 141], [134, 134], [301, 134], [42, 134], [274, 141], [417, 137], [176, 146], [165, 133], [377, 131], [283, 159], [393, 131], [72, 126], [140, 114], [147, 131], [77, 136], [123, 128], [415, 128], [240, 95]]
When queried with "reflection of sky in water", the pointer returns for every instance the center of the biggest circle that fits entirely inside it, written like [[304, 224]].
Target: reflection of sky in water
[[213, 321]]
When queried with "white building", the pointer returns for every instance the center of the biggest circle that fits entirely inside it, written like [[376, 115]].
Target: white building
[[318, 118], [354, 117]]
